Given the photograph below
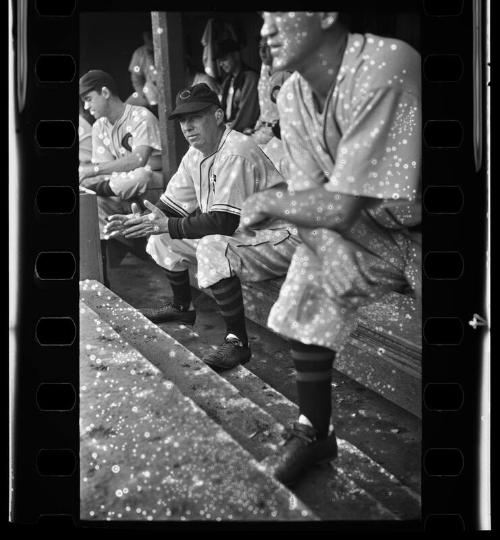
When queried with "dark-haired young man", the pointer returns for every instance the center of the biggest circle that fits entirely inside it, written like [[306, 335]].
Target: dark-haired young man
[[126, 150], [351, 128]]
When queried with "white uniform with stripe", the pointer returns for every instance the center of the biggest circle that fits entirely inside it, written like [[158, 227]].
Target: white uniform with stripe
[[136, 127], [220, 183], [366, 142]]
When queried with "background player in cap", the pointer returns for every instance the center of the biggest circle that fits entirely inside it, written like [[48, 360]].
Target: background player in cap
[[126, 150], [351, 129], [197, 220], [240, 97]]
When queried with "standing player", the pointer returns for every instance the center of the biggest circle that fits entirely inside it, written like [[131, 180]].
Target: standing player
[[350, 125], [197, 219], [240, 98]]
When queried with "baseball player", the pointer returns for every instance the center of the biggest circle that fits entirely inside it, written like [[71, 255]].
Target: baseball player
[[197, 221], [126, 150], [351, 127]]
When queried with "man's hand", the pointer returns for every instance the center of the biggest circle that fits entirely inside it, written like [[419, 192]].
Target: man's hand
[[347, 274], [255, 211], [136, 225], [115, 225]]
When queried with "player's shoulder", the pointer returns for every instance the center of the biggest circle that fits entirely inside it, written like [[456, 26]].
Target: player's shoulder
[[140, 113], [239, 145], [100, 125], [376, 61]]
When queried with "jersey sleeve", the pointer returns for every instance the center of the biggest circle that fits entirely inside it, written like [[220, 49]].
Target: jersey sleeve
[[146, 131], [235, 179], [379, 152], [180, 194]]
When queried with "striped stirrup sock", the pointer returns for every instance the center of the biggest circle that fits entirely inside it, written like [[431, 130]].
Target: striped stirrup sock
[[314, 375], [229, 298], [179, 281]]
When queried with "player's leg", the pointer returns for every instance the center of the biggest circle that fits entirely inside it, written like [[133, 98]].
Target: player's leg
[[222, 261], [215, 272], [174, 256], [317, 309]]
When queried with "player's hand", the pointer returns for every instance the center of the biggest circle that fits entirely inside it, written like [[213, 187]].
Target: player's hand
[[347, 275], [255, 211], [115, 225], [154, 223]]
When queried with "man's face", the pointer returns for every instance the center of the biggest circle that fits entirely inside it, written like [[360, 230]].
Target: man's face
[[292, 37], [228, 62], [96, 104], [200, 129]]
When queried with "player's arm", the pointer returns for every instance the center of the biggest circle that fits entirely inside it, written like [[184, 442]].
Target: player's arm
[[138, 158], [312, 208], [203, 224]]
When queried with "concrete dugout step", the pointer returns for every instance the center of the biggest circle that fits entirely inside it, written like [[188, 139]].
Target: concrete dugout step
[[360, 470], [147, 452], [384, 351], [254, 428]]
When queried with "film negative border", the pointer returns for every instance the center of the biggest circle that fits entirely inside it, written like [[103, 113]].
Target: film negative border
[[45, 443], [44, 460]]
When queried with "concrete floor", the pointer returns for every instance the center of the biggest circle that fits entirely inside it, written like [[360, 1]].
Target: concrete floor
[[383, 431]]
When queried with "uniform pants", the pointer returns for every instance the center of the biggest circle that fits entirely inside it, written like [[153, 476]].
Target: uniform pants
[[326, 284], [265, 255]]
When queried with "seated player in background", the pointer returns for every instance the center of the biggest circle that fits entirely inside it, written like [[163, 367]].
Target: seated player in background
[[126, 151]]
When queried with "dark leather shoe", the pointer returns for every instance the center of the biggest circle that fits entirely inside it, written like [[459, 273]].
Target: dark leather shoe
[[302, 450], [169, 313], [230, 354]]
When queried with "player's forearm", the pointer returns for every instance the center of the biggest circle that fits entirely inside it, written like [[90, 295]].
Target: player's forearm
[[314, 208], [204, 224], [124, 164]]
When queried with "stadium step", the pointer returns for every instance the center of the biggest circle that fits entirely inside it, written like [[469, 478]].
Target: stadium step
[[253, 414], [148, 452], [384, 351]]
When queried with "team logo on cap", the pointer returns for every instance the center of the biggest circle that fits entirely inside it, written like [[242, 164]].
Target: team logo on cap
[[185, 94]]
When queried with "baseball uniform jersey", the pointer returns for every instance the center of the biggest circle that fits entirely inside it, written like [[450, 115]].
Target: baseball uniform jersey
[[223, 180], [136, 127], [220, 183], [366, 142]]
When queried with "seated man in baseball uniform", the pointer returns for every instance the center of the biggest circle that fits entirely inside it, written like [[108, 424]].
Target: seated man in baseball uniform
[[351, 128], [197, 220], [126, 151]]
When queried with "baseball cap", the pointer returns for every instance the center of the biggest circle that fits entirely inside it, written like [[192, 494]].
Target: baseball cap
[[193, 99], [95, 79], [224, 47]]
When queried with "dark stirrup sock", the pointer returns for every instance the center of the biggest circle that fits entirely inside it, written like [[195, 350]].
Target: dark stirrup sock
[[229, 298], [179, 281], [314, 375]]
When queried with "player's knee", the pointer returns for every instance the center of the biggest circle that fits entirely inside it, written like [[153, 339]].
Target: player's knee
[[210, 245], [142, 176]]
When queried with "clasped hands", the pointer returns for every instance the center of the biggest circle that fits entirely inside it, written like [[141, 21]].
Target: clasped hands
[[136, 225]]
